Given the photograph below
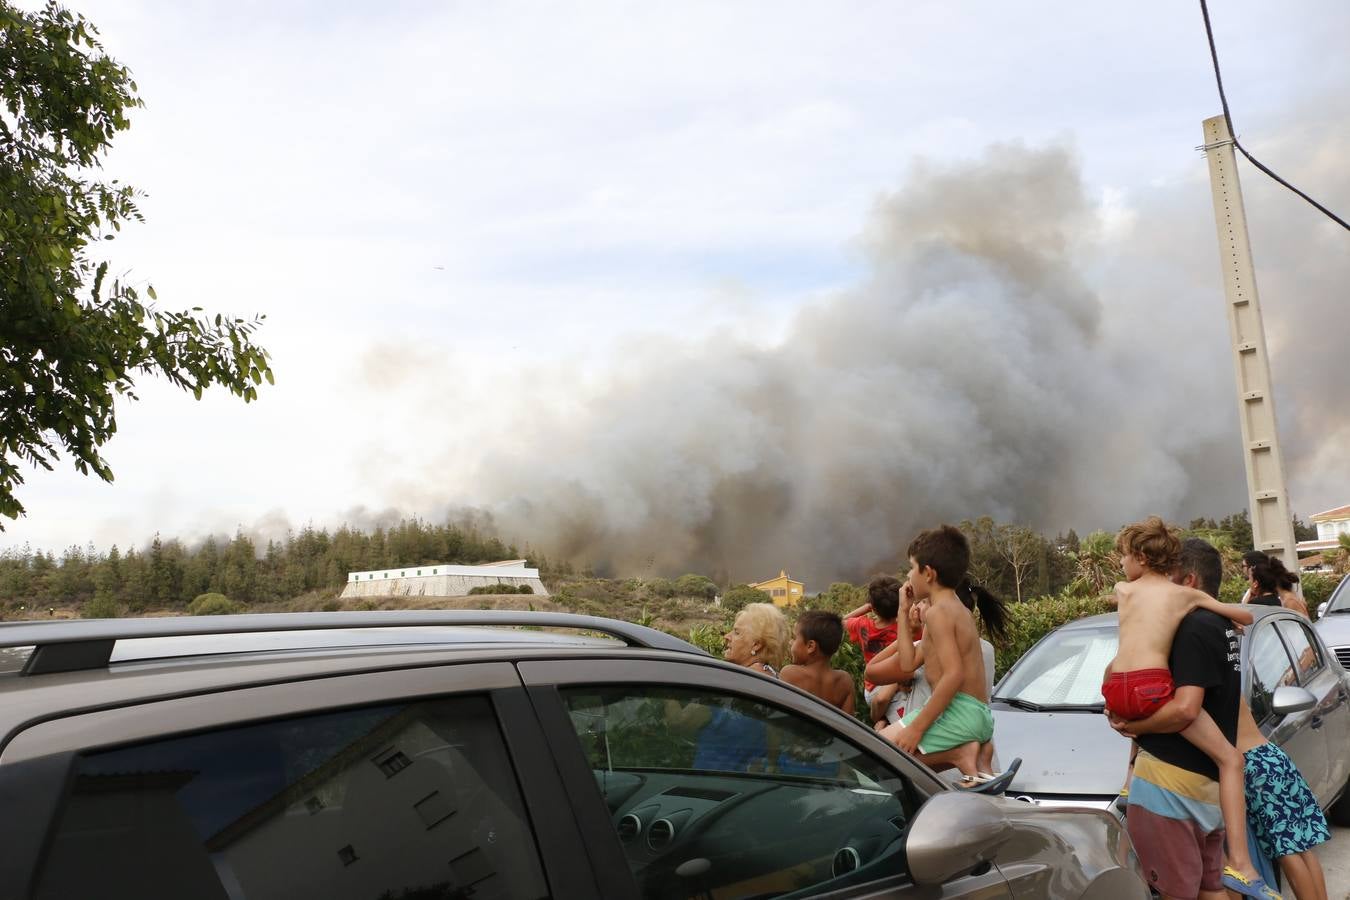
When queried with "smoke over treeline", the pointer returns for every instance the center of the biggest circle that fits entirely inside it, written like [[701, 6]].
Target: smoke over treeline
[[1006, 355]]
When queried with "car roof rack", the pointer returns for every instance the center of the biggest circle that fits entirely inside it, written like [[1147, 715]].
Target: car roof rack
[[67, 646]]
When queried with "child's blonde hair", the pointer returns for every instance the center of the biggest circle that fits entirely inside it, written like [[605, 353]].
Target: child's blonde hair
[[1153, 542], [766, 624]]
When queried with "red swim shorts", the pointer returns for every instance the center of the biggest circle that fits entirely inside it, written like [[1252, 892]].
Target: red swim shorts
[[1137, 694]]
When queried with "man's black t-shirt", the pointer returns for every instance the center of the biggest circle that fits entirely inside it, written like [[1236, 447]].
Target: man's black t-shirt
[[1205, 654]]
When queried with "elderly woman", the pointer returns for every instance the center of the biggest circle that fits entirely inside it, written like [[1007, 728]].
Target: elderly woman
[[758, 638], [731, 736]]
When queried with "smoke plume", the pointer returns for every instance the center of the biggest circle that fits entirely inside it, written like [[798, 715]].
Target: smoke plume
[[973, 373]]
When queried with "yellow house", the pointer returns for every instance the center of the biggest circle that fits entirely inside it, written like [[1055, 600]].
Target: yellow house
[[783, 590]]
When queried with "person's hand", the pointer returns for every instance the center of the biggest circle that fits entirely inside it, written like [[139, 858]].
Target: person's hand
[[1122, 726], [908, 740], [906, 595]]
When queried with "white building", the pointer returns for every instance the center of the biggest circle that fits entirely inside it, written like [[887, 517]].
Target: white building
[[1331, 524], [439, 580]]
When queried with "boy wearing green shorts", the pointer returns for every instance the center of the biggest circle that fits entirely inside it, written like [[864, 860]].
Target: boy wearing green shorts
[[955, 726]]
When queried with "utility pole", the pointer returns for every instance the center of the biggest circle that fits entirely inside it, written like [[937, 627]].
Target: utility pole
[[1267, 495]]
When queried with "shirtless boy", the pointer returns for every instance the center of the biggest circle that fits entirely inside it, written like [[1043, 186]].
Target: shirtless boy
[[950, 728], [1138, 681], [817, 636]]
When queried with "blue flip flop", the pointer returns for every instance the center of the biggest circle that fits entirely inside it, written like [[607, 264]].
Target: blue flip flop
[[1256, 887]]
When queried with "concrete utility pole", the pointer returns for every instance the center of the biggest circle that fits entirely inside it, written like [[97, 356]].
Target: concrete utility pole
[[1268, 497]]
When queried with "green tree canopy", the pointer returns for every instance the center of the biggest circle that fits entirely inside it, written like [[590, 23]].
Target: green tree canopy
[[71, 339]]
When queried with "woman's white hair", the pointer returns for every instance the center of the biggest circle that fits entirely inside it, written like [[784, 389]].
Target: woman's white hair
[[766, 625]]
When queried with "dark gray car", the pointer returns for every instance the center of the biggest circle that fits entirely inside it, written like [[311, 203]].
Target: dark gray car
[[406, 756], [1048, 710]]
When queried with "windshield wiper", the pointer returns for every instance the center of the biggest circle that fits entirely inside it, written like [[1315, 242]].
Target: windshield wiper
[[1029, 706], [1019, 703]]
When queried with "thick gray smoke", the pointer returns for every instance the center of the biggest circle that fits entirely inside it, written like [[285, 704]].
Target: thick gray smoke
[[1016, 350], [971, 374]]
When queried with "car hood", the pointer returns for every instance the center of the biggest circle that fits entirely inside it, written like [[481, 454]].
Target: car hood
[[1074, 753], [1334, 629]]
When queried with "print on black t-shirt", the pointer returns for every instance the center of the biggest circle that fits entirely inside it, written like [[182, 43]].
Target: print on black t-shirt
[[1206, 654]]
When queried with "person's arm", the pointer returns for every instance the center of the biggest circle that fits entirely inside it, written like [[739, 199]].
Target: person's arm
[[895, 664], [860, 611], [1231, 611], [686, 717], [850, 700], [1294, 603], [881, 701], [953, 674], [1175, 715]]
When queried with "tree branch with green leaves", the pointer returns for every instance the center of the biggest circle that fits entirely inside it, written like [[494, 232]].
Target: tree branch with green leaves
[[72, 340]]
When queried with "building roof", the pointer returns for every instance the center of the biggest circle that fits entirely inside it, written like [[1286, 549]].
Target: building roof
[[1332, 515]]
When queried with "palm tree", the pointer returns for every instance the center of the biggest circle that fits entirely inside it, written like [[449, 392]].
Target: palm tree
[[1098, 566], [1340, 557]]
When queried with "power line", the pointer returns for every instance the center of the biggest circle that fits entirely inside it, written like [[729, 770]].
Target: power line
[[1218, 77]]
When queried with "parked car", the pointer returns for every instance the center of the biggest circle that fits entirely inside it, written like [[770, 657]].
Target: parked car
[[409, 755], [1048, 710], [1333, 622]]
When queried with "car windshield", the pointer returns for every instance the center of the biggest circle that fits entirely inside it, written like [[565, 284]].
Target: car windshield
[[1340, 598], [1062, 671]]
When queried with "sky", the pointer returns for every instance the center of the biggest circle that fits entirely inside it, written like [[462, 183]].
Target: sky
[[726, 287]]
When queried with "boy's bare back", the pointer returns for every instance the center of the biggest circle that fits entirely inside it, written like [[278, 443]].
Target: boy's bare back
[[947, 620], [834, 686], [1151, 608]]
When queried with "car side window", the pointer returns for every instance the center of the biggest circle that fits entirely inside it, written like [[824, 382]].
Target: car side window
[[716, 795], [1307, 658], [391, 802], [1270, 668]]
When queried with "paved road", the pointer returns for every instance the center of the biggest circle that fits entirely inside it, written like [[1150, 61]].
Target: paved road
[[1335, 857]]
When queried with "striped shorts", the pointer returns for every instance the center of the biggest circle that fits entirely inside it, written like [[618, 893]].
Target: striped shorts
[[1176, 825]]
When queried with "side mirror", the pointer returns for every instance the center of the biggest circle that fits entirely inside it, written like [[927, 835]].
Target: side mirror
[[953, 833], [1291, 699], [1322, 610]]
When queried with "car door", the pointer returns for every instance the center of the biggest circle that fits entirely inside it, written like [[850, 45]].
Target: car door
[[702, 781], [1330, 719], [400, 785], [1270, 666]]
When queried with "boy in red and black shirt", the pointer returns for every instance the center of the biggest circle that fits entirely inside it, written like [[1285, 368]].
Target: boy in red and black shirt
[[875, 633]]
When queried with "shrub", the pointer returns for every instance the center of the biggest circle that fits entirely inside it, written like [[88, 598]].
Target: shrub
[[695, 586], [840, 597], [498, 589], [741, 595], [661, 587], [212, 605], [101, 607], [1317, 588], [524, 589], [707, 637], [331, 605], [1031, 620]]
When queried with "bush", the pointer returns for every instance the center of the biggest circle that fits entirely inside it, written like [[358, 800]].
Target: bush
[[661, 587], [101, 607], [1317, 587], [739, 596], [499, 589], [1032, 620], [331, 605], [212, 605], [699, 586]]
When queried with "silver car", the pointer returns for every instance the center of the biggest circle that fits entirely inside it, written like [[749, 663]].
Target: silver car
[[410, 756], [1048, 711], [1333, 622]]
